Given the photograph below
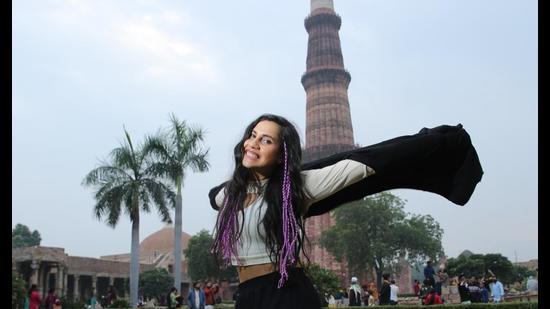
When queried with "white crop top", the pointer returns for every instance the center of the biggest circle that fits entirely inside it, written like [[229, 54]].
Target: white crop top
[[318, 184]]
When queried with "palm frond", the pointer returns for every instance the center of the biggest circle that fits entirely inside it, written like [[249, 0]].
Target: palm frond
[[198, 162], [161, 193], [157, 146], [109, 203], [158, 169], [105, 173]]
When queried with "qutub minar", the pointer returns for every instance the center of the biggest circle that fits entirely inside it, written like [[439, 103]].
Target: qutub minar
[[328, 119]]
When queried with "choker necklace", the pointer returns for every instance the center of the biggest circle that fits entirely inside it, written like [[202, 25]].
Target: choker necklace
[[256, 187]]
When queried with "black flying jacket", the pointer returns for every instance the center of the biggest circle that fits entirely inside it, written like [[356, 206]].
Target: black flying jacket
[[441, 160]]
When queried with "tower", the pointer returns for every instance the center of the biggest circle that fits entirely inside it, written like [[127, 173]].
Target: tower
[[328, 119]]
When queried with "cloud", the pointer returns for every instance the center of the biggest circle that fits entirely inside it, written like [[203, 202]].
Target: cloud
[[139, 33], [163, 54]]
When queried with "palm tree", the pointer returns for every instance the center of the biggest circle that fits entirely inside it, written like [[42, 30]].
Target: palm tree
[[175, 151], [126, 184]]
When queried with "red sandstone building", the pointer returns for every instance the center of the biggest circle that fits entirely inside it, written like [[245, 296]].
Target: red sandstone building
[[76, 277]]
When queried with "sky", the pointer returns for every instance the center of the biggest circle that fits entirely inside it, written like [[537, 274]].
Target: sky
[[83, 70]]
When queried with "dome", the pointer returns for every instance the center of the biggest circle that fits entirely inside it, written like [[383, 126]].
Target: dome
[[163, 241]]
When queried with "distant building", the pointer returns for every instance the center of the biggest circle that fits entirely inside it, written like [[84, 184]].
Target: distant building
[[76, 277], [531, 264]]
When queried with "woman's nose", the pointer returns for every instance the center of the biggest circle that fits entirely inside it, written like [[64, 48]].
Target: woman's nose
[[251, 143]]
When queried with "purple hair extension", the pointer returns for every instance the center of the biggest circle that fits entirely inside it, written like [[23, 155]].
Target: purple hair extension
[[227, 227], [290, 227]]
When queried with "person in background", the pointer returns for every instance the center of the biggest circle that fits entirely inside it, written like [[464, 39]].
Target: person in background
[[429, 273], [432, 298], [354, 293], [209, 296], [463, 290], [93, 300], [27, 302], [385, 291], [365, 296], [484, 293], [394, 290], [497, 290], [196, 297], [416, 288], [338, 298], [217, 297], [373, 295], [111, 295], [171, 298], [34, 297], [50, 299]]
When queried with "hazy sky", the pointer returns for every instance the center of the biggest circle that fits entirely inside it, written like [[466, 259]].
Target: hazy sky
[[84, 69]]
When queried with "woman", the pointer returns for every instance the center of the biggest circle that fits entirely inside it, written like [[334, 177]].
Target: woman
[[50, 299], [34, 297], [373, 295], [260, 224]]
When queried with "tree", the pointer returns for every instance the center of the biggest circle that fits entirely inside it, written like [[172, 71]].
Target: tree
[[485, 265], [202, 265], [174, 152], [127, 184], [155, 283], [325, 281], [521, 273], [469, 265], [385, 234], [21, 236], [18, 291]]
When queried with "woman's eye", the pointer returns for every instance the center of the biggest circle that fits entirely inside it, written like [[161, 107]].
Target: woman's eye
[[266, 141]]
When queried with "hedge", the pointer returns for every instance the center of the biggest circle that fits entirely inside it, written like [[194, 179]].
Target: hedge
[[510, 305]]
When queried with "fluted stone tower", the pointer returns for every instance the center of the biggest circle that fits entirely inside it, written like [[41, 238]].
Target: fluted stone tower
[[328, 118]]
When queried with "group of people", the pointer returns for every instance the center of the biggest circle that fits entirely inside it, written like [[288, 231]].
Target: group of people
[[53, 301], [366, 294], [477, 291], [470, 290], [197, 298], [33, 299]]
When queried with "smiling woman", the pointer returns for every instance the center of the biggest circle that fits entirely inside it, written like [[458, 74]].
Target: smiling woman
[[260, 225], [263, 207]]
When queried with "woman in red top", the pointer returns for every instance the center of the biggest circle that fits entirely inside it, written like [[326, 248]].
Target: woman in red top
[[34, 297], [432, 298]]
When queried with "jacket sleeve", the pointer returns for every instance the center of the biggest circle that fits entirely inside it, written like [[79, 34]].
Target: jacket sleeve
[[440, 160], [323, 182], [216, 196]]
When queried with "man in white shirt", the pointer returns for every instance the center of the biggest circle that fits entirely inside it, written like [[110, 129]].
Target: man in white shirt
[[394, 289]]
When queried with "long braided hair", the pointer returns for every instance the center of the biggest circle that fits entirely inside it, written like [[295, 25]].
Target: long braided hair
[[283, 222]]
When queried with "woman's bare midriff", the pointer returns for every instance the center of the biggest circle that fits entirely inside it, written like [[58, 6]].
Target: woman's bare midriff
[[252, 271]]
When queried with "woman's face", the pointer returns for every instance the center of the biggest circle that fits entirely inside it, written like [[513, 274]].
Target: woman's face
[[261, 149]]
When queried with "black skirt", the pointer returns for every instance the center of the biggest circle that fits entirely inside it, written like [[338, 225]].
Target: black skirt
[[262, 292]]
